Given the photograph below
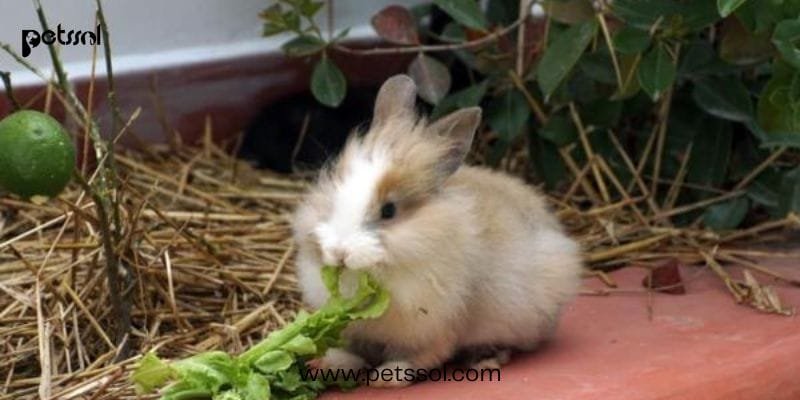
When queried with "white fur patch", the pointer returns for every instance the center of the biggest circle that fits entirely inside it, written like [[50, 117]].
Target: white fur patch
[[344, 237]]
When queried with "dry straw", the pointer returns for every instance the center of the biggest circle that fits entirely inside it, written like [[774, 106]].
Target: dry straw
[[208, 240]]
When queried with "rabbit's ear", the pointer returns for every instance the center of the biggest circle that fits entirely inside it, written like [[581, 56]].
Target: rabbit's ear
[[396, 98], [459, 128]]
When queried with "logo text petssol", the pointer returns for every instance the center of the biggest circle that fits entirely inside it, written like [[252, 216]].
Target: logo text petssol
[[32, 38]]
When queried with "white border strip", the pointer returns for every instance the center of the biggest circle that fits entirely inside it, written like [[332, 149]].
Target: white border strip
[[171, 58]]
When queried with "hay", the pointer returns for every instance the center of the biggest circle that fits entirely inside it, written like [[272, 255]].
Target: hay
[[208, 239]]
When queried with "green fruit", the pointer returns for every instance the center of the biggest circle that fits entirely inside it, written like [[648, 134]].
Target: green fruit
[[37, 156]]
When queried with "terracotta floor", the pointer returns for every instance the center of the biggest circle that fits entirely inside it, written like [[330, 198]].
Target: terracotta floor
[[698, 346]]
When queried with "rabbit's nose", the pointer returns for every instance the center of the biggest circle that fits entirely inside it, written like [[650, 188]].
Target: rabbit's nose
[[337, 256]]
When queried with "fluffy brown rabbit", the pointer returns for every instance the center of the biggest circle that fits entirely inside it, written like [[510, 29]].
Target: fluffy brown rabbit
[[472, 258]]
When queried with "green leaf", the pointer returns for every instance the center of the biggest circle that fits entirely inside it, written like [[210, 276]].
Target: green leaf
[[310, 8], [629, 40], [377, 301], [274, 361], [724, 97], [726, 215], [656, 72], [211, 370], [764, 190], [497, 151], [628, 65], [779, 103], [257, 387], [431, 76], [227, 395], [185, 390], [453, 33], [303, 46], [272, 30], [761, 16], [276, 21], [466, 12], [691, 15], [300, 345], [328, 83], [599, 67], [546, 161], [502, 12], [330, 278], [507, 114], [700, 59], [559, 130], [292, 21], [726, 7], [464, 98], [786, 39], [789, 197], [562, 55], [780, 139], [602, 113], [151, 373], [341, 35], [709, 160]]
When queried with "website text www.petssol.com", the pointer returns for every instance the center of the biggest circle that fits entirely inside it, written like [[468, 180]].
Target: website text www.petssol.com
[[369, 375]]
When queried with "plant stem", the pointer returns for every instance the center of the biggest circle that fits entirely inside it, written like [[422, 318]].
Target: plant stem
[[432, 48], [102, 193], [113, 273], [6, 77], [116, 119]]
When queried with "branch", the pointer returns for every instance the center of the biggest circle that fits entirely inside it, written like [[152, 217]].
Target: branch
[[116, 114], [434, 48], [103, 191], [6, 77]]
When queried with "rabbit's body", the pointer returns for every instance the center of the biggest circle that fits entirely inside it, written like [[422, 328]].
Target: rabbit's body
[[472, 257]]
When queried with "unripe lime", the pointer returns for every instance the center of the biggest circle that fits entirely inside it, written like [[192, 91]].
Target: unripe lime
[[37, 156]]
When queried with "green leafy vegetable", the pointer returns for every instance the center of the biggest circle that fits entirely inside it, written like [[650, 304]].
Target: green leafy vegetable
[[273, 368]]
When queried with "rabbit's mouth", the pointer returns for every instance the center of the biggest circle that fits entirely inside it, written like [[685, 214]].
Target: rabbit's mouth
[[356, 251]]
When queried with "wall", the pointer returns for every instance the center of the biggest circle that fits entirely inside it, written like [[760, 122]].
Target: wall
[[149, 34]]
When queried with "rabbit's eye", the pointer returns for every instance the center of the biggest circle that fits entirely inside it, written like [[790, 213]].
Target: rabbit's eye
[[388, 210]]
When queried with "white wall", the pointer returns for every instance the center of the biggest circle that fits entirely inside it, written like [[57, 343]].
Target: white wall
[[153, 33]]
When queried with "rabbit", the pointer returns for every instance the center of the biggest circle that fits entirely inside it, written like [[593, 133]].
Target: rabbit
[[472, 258]]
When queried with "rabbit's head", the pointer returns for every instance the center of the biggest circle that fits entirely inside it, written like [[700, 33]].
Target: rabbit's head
[[383, 179]]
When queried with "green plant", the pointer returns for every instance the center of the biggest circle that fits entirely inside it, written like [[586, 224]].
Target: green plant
[[705, 95], [273, 368]]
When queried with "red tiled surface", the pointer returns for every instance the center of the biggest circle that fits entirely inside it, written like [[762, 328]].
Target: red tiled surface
[[698, 346]]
